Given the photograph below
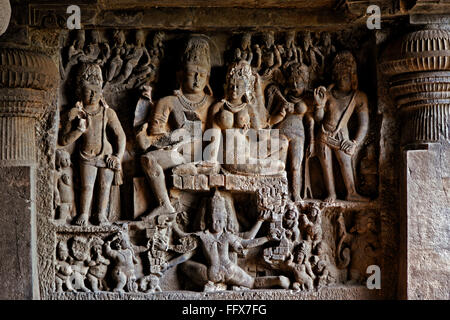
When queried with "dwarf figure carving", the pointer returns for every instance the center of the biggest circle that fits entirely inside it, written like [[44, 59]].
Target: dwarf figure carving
[[80, 251], [290, 224], [301, 268], [358, 248], [334, 108], [64, 271], [312, 225], [98, 266], [123, 261], [101, 143], [64, 198]]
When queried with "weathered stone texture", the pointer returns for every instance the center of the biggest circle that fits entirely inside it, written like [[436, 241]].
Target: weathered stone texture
[[428, 232], [15, 234]]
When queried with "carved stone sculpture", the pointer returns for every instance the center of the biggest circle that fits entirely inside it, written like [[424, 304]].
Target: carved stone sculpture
[[217, 243], [187, 107], [334, 107], [268, 57], [64, 197], [120, 251], [244, 51], [243, 109], [99, 154], [64, 271], [301, 268], [80, 252], [358, 248], [98, 266], [136, 60], [287, 114]]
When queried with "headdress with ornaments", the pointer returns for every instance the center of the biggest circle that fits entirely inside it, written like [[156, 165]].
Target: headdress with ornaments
[[197, 52], [243, 71], [89, 74], [345, 62]]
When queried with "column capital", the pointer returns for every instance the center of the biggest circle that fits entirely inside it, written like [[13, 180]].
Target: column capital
[[418, 67], [26, 78]]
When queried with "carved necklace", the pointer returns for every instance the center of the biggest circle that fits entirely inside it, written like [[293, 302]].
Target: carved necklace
[[233, 108], [93, 114], [188, 104]]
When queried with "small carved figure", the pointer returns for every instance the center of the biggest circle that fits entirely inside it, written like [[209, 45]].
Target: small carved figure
[[290, 224], [100, 153], [98, 266], [287, 113], [268, 58], [217, 243], [187, 108], [136, 59], [325, 271], [149, 284], [359, 248], [76, 52], [244, 52], [334, 107], [116, 62], [80, 251], [312, 224], [97, 52], [123, 261], [301, 268], [64, 271], [64, 198], [290, 53]]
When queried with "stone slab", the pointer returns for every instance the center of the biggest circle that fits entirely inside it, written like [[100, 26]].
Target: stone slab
[[427, 227], [16, 221]]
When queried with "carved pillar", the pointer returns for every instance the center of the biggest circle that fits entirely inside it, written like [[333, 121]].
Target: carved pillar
[[418, 66], [26, 79]]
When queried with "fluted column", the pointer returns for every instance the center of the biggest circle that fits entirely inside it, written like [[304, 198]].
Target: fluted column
[[418, 69], [26, 78]]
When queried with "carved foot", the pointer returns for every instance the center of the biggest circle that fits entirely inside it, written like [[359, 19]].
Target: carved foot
[[165, 209], [357, 197], [330, 198], [297, 197], [284, 282], [81, 221], [102, 220]]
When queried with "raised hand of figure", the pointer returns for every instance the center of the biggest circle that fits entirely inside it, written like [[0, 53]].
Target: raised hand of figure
[[320, 96], [257, 49], [113, 162]]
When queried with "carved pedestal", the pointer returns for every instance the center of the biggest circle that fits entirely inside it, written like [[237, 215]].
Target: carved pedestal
[[418, 66], [25, 79]]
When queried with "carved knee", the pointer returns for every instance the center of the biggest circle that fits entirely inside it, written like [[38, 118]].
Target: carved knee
[[150, 166]]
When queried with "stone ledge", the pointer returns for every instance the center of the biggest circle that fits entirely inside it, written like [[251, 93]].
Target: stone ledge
[[329, 293]]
